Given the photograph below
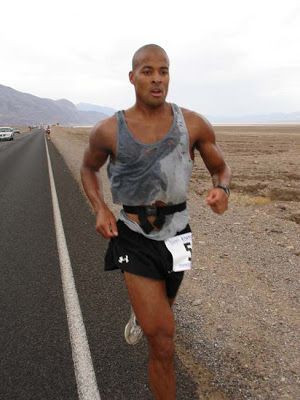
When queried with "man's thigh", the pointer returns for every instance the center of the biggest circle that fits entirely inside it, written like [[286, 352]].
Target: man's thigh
[[151, 304]]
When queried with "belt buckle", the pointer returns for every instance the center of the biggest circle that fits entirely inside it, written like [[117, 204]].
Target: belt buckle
[[151, 211]]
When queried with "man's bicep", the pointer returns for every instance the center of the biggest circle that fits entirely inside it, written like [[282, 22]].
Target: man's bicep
[[99, 148], [94, 158], [212, 156], [206, 144]]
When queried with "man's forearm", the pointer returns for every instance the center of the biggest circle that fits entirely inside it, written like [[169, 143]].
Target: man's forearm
[[93, 188], [222, 177]]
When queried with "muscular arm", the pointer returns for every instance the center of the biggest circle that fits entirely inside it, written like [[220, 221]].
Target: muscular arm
[[203, 139], [101, 146], [212, 156]]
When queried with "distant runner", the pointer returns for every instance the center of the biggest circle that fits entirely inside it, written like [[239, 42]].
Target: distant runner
[[48, 131], [150, 148]]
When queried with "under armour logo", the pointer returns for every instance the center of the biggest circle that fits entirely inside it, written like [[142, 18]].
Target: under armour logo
[[122, 259]]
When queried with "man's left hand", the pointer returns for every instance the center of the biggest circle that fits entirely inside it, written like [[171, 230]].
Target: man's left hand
[[217, 199]]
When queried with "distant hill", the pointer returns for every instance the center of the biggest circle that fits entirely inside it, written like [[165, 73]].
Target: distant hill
[[93, 107], [257, 118], [243, 119], [17, 108]]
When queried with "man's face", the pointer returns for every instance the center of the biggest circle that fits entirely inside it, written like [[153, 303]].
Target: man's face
[[150, 77]]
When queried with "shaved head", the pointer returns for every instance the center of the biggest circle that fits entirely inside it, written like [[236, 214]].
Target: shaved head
[[142, 51]]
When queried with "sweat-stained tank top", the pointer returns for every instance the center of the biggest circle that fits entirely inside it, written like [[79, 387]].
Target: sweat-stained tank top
[[142, 174]]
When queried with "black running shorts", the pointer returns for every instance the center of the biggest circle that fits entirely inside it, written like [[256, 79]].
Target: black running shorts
[[132, 252]]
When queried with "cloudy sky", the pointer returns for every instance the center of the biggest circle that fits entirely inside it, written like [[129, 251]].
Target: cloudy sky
[[227, 58]]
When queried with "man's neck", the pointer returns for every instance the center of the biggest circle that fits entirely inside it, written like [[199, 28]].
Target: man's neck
[[150, 112]]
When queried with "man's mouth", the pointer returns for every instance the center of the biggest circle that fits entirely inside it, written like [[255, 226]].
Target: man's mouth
[[156, 92]]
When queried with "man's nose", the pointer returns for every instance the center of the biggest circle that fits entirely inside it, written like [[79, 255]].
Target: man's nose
[[156, 77]]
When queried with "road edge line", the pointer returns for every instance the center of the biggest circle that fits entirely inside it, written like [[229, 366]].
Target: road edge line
[[84, 371]]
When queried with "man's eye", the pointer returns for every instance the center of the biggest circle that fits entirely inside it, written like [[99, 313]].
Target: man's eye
[[147, 72]]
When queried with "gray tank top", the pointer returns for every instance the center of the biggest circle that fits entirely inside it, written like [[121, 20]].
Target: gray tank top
[[142, 174]]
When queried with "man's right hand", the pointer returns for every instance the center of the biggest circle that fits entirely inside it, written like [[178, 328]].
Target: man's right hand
[[106, 223]]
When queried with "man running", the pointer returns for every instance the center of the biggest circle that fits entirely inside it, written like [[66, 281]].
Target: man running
[[150, 148], [48, 131]]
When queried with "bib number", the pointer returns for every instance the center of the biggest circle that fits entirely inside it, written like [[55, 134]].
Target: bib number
[[181, 249]]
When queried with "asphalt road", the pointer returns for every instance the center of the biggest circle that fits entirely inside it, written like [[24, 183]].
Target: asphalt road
[[36, 359]]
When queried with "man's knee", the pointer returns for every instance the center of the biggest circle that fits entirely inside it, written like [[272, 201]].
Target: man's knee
[[161, 347], [161, 341]]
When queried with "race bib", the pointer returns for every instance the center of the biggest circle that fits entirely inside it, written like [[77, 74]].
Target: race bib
[[181, 249]]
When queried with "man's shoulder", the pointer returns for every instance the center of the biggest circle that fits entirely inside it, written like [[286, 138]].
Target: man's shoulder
[[103, 134], [194, 117], [105, 126]]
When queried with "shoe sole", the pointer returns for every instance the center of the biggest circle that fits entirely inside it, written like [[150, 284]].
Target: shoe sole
[[126, 335]]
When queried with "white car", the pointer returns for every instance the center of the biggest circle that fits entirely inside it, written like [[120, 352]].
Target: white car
[[6, 133]]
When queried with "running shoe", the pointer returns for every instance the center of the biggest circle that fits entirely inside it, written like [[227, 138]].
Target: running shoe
[[133, 332]]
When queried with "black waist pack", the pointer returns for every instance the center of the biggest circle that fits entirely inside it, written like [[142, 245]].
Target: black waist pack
[[144, 212]]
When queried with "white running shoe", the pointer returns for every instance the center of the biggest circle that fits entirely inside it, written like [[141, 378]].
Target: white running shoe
[[133, 332]]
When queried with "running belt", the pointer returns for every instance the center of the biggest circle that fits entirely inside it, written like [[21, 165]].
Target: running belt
[[160, 213]]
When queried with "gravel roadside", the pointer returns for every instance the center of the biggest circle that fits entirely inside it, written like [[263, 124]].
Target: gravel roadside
[[237, 312]]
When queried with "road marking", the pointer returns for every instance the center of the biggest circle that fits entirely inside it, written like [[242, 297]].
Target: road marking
[[85, 375]]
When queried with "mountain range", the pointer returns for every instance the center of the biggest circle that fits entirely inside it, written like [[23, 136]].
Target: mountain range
[[257, 118], [93, 107], [17, 108]]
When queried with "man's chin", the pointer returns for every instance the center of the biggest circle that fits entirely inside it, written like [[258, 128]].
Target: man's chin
[[154, 103]]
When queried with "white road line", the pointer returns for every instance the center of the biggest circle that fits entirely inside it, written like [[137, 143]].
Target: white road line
[[85, 375]]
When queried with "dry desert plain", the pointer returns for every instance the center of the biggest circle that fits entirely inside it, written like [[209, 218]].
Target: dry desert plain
[[238, 314]]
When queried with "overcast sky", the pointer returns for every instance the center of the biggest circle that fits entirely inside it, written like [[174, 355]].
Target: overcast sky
[[227, 57]]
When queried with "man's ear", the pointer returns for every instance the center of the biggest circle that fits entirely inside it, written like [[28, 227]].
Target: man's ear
[[131, 77]]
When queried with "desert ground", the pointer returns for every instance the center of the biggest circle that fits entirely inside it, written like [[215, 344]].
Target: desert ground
[[238, 314]]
